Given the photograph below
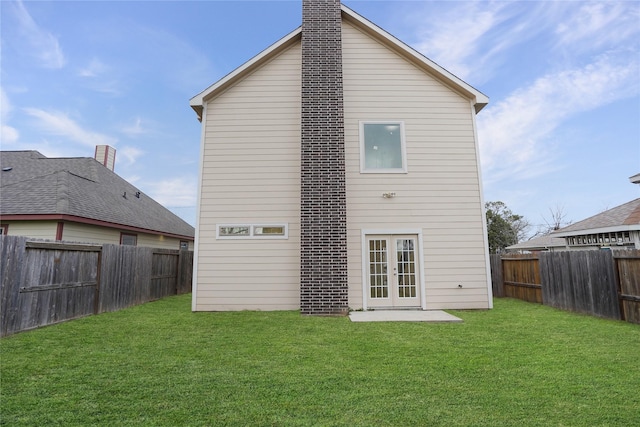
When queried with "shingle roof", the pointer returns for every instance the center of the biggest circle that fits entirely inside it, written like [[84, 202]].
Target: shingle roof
[[623, 217], [539, 243], [81, 187]]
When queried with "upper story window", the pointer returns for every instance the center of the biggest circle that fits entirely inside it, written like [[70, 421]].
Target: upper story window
[[382, 147], [4, 229]]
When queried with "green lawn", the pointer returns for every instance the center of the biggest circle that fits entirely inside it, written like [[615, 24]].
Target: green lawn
[[160, 364]]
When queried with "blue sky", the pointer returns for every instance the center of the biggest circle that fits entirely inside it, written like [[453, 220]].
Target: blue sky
[[562, 129]]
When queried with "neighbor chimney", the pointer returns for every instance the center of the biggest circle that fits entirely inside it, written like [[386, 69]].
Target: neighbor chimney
[[106, 155], [323, 258]]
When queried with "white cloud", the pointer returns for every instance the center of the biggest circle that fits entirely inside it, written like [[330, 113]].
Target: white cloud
[[99, 77], [57, 123], [473, 39], [169, 68], [130, 154], [594, 25], [44, 45], [93, 69], [5, 105], [135, 129], [8, 134], [175, 192], [453, 38], [514, 134], [133, 179]]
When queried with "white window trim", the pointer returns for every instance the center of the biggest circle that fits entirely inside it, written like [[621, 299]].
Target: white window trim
[[403, 148], [252, 235]]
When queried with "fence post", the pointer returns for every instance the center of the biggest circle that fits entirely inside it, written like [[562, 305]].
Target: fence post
[[96, 300], [497, 283]]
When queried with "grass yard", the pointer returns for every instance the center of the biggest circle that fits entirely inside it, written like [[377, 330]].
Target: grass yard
[[160, 364]]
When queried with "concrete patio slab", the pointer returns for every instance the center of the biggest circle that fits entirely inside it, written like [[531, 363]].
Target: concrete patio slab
[[402, 316]]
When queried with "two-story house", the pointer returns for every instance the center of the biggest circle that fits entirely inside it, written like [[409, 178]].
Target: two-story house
[[340, 170]]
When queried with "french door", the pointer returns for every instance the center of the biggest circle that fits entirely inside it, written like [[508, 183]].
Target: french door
[[393, 278]]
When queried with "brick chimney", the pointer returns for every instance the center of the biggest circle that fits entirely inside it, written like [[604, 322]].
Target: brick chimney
[[106, 155], [323, 270]]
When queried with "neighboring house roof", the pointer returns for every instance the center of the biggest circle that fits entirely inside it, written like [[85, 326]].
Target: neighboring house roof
[[541, 243], [625, 217], [479, 99], [34, 187], [635, 179]]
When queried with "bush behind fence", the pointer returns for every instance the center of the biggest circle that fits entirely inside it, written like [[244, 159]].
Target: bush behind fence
[[47, 282], [603, 283]]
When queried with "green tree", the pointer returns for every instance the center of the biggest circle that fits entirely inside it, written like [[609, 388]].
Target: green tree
[[504, 228]]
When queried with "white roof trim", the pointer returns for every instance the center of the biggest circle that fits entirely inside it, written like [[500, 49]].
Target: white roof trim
[[479, 99], [198, 101]]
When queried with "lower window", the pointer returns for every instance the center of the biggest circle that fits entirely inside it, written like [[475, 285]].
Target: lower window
[[252, 231], [128, 239]]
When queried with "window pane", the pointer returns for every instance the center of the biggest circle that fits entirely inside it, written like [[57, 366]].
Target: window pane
[[382, 146], [234, 231], [268, 231], [129, 239]]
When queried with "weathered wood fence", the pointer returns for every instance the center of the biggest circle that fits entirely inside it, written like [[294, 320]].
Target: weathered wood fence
[[47, 282], [603, 283]]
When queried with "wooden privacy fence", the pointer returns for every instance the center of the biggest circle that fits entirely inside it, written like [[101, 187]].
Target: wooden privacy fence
[[604, 283], [516, 276], [49, 282]]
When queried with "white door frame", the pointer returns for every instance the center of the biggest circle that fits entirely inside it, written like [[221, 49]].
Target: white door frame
[[365, 261]]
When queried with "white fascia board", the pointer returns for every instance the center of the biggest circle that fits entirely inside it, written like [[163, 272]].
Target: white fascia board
[[480, 100], [612, 229], [198, 101]]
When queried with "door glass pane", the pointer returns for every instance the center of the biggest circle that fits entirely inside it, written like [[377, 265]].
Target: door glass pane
[[405, 258], [378, 282]]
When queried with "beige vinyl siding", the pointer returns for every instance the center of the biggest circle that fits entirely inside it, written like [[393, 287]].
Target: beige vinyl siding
[[251, 175], [439, 195], [159, 241], [86, 233], [35, 229]]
